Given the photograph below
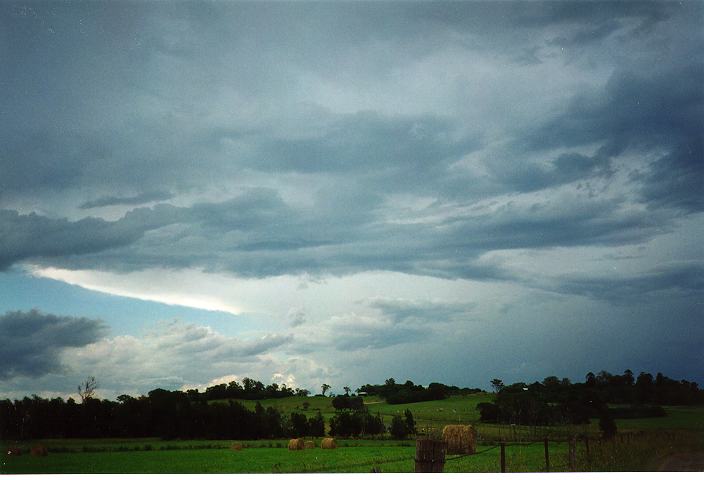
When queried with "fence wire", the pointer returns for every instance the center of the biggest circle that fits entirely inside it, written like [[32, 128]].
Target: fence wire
[[472, 454], [374, 463], [355, 465]]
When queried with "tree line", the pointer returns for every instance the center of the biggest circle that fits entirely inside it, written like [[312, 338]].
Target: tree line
[[555, 401], [249, 389], [161, 413], [176, 414], [408, 392]]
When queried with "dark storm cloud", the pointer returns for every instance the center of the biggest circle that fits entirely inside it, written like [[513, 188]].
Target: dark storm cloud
[[33, 341], [647, 13], [564, 169], [31, 236], [257, 234], [534, 15], [589, 35], [458, 140], [363, 141], [139, 199], [644, 112], [679, 280], [109, 102]]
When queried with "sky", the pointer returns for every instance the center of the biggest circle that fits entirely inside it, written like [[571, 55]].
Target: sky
[[304, 193]]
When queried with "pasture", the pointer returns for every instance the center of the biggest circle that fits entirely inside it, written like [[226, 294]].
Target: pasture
[[433, 415], [258, 457], [681, 430]]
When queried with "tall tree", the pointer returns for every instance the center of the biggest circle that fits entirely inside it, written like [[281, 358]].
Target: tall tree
[[86, 390], [497, 384]]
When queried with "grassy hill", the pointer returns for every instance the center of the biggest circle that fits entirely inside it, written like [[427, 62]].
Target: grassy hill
[[434, 415], [455, 409]]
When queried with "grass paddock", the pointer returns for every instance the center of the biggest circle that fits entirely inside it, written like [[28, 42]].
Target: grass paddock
[[681, 430]]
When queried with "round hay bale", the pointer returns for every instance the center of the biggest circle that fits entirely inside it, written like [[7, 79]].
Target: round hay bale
[[296, 444], [460, 438], [328, 443], [39, 451], [236, 447], [16, 452], [309, 444]]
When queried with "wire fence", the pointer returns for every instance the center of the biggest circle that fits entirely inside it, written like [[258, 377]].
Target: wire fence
[[577, 454], [472, 454], [348, 466], [380, 462]]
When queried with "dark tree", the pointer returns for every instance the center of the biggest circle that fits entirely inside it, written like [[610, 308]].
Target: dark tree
[[497, 384], [316, 425], [410, 422], [398, 428], [347, 402], [299, 425]]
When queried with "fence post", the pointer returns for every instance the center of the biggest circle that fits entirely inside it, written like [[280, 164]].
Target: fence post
[[586, 447], [572, 454], [547, 455], [503, 457], [430, 455]]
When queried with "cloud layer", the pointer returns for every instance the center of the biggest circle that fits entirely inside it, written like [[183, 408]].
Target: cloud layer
[[491, 157]]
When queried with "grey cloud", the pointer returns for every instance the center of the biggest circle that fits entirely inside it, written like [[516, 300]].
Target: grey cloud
[[676, 179], [264, 344], [368, 140], [168, 355], [589, 35], [354, 333], [408, 137], [682, 279], [31, 236], [33, 341], [178, 339], [567, 221], [415, 312], [139, 199], [258, 234], [564, 169], [296, 317], [642, 113], [540, 14], [632, 108]]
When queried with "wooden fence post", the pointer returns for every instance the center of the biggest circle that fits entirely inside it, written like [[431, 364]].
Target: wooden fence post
[[547, 455], [573, 454], [430, 455], [586, 447], [503, 457]]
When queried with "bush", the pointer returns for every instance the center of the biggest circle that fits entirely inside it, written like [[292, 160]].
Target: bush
[[398, 428], [347, 402]]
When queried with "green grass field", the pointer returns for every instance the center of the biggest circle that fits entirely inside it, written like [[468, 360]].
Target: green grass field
[[362, 458], [151, 455]]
